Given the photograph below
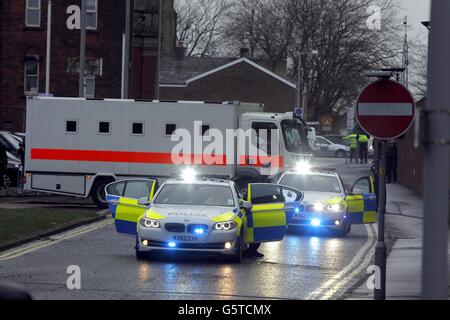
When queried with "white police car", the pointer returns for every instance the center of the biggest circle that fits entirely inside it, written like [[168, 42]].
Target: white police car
[[200, 215], [327, 203]]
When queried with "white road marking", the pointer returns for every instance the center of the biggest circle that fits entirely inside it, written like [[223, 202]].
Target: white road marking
[[363, 266], [334, 281], [39, 244]]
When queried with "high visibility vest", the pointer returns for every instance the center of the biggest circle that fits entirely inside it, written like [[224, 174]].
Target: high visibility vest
[[352, 140], [363, 138]]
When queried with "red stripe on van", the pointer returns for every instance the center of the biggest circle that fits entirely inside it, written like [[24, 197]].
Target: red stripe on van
[[126, 157]]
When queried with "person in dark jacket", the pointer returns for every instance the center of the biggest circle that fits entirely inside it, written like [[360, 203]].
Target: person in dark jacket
[[391, 163]]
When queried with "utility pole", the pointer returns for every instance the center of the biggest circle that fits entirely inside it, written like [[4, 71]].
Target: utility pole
[[159, 48], [380, 249], [49, 41], [436, 158], [81, 84], [127, 48]]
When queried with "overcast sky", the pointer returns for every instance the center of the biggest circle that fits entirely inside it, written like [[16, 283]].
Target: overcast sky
[[417, 11]]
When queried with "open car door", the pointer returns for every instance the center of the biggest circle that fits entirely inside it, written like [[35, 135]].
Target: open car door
[[273, 208], [362, 202], [123, 199]]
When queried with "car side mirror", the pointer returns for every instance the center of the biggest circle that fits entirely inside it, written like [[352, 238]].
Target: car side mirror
[[246, 205], [143, 202]]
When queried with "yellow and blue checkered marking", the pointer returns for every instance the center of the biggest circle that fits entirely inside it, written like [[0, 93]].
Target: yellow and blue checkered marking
[[268, 222], [361, 209]]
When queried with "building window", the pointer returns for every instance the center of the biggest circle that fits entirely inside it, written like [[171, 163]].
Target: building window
[[90, 86], [170, 129], [33, 13], [31, 75], [104, 127], [91, 14], [71, 126], [138, 128]]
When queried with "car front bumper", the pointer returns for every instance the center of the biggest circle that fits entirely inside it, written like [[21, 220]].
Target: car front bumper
[[318, 220], [212, 242]]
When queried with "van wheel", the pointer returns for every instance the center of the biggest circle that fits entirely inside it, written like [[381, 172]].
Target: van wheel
[[98, 192]]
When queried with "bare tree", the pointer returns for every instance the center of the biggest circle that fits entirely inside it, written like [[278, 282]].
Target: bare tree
[[199, 25], [337, 30], [419, 67]]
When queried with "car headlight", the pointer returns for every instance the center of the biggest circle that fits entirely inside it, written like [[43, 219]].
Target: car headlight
[[150, 223], [228, 225], [335, 207], [319, 207]]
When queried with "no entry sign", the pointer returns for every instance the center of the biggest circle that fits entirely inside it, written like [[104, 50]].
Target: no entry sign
[[385, 109]]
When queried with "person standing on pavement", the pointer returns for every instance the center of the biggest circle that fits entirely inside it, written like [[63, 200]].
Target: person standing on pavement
[[391, 163], [363, 145], [352, 141], [3, 164], [21, 153]]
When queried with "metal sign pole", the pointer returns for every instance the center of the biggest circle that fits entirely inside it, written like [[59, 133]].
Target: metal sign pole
[[380, 250]]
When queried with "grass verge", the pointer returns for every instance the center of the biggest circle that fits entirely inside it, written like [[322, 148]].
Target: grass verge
[[18, 225]]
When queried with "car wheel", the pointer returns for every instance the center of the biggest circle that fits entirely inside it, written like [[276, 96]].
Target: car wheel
[[141, 255], [344, 230], [340, 154], [238, 256]]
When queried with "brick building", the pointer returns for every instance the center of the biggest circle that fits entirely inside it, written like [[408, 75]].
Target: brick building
[[23, 34], [410, 159], [227, 79]]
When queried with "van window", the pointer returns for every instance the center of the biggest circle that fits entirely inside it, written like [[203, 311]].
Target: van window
[[264, 135], [205, 129], [294, 136], [71, 126], [138, 128], [170, 129], [104, 127]]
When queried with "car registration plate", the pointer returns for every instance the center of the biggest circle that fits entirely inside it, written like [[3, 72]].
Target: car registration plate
[[185, 238]]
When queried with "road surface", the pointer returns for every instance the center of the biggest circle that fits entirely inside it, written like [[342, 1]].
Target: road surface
[[303, 266]]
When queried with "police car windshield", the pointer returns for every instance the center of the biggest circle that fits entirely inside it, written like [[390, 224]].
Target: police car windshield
[[196, 195], [308, 182]]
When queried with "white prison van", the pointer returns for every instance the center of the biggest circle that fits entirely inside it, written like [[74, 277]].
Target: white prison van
[[76, 146]]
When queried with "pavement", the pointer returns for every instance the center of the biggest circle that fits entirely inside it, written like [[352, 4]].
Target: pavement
[[404, 223]]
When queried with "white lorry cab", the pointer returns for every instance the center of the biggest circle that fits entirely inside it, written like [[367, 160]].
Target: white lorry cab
[[76, 146]]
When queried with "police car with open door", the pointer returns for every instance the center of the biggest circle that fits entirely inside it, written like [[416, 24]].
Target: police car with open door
[[200, 215], [327, 202]]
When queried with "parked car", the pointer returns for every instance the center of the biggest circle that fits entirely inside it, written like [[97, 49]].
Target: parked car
[[12, 145], [325, 148]]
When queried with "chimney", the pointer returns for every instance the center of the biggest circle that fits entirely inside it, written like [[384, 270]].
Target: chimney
[[244, 53], [180, 51]]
